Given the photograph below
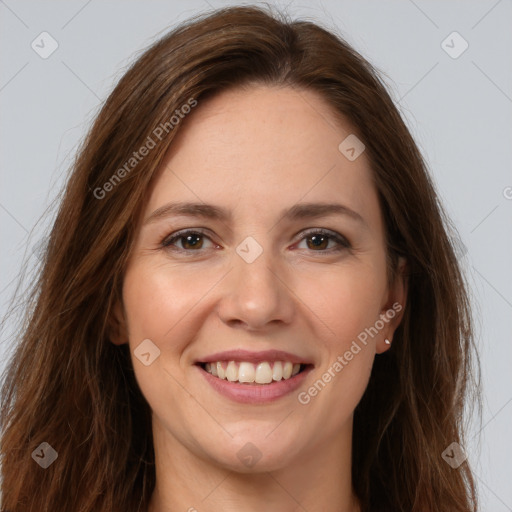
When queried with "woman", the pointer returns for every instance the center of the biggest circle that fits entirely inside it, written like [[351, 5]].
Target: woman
[[249, 300]]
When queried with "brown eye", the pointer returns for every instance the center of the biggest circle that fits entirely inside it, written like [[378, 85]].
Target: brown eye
[[317, 242], [192, 241], [188, 240], [321, 240]]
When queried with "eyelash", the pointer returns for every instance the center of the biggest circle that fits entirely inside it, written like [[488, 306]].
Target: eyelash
[[344, 244]]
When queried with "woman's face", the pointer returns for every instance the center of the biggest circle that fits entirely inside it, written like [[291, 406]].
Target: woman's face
[[270, 278]]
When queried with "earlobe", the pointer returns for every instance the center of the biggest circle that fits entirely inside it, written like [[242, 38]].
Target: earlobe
[[117, 331]]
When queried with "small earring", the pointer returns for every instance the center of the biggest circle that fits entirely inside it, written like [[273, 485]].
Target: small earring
[[387, 342]]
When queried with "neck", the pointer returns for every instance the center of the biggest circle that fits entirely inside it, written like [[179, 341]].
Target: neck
[[317, 480]]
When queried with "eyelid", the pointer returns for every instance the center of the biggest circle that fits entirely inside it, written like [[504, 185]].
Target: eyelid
[[341, 240], [338, 237], [166, 242]]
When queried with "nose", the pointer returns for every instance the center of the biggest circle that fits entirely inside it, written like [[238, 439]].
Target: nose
[[256, 295]]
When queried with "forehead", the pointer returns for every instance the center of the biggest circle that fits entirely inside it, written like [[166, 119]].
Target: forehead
[[276, 145]]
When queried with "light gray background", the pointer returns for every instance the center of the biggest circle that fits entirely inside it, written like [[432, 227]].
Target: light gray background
[[459, 111]]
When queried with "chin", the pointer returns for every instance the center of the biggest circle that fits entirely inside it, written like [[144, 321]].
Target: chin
[[255, 455]]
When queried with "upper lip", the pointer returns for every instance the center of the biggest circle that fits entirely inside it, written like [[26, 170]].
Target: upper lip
[[240, 355]]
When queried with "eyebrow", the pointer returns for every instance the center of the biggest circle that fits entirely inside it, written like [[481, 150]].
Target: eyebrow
[[299, 211]]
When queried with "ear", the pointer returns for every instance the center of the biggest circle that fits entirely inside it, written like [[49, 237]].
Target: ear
[[116, 325], [394, 307]]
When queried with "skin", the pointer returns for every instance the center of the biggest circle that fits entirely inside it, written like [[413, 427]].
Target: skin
[[255, 152]]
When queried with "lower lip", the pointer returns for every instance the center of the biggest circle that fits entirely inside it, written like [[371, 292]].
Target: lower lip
[[255, 393]]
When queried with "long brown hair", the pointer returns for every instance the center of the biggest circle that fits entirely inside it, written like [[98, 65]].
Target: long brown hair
[[69, 386]]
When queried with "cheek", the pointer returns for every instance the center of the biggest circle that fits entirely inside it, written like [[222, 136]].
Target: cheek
[[346, 298], [158, 301], [161, 304], [347, 303]]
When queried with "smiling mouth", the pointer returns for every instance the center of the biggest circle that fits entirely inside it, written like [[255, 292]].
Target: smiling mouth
[[263, 373]]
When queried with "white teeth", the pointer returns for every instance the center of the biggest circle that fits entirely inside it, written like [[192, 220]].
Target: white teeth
[[245, 372], [287, 370], [263, 374], [232, 371], [277, 371]]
